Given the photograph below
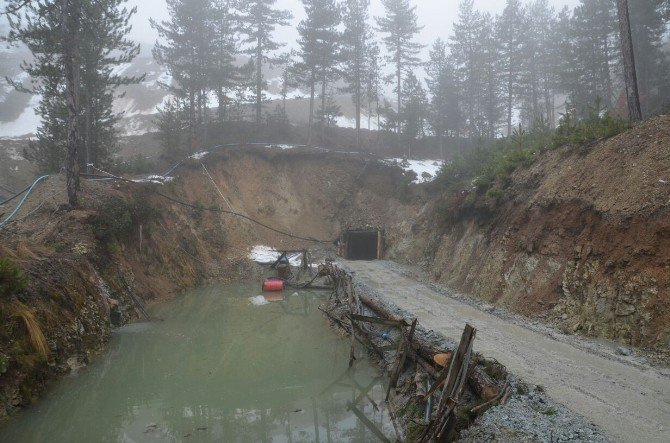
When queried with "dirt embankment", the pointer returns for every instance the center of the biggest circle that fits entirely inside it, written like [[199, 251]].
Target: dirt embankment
[[582, 237], [84, 266]]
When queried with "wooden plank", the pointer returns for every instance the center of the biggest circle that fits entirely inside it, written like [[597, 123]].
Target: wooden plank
[[407, 342], [454, 383]]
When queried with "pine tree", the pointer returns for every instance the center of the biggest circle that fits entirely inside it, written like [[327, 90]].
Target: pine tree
[[490, 106], [437, 80], [630, 76], [290, 77], [465, 51], [414, 110], [185, 49], [373, 81], [537, 79], [172, 122], [400, 26], [260, 18], [319, 49], [75, 46], [510, 35], [223, 73], [649, 28], [594, 33], [329, 111], [355, 38]]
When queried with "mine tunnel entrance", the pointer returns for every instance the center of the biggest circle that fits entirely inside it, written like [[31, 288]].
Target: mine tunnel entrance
[[362, 244]]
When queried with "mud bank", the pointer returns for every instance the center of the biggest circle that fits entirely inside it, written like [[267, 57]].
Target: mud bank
[[89, 269]]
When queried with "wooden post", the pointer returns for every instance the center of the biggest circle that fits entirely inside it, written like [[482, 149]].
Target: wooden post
[[380, 251]]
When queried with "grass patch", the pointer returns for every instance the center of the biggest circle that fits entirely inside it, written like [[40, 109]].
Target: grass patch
[[11, 278], [487, 168], [33, 328]]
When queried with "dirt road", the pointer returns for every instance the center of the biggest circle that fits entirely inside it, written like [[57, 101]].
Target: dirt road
[[628, 402]]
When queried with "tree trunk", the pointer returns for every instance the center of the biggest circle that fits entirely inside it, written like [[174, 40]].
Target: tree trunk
[[311, 108], [323, 109], [91, 158], [219, 98], [259, 80], [510, 85], [399, 79], [629, 62], [70, 19]]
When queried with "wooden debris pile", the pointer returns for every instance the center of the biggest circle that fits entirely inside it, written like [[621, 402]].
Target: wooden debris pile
[[449, 386]]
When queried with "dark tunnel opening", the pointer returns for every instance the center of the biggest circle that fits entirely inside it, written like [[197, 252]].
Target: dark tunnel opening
[[362, 245]]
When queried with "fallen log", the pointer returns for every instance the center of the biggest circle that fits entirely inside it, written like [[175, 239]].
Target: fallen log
[[481, 383]]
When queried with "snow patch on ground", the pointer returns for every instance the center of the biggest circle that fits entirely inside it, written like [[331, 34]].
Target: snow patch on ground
[[158, 179], [13, 154], [345, 122], [282, 146], [426, 170], [268, 255], [199, 155]]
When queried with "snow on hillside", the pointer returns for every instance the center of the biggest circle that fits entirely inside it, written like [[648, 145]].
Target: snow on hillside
[[426, 170], [139, 103]]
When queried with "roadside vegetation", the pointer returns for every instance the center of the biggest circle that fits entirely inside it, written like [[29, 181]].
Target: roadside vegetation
[[485, 171]]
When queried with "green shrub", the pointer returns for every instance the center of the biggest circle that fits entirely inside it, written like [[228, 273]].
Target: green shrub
[[491, 163], [495, 193], [117, 218], [4, 363], [11, 278], [596, 126]]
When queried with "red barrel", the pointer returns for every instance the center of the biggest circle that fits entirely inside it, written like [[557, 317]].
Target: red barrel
[[273, 285]]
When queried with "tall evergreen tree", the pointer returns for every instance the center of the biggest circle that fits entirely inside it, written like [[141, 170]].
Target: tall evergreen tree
[[537, 79], [76, 44], [223, 73], [490, 64], [628, 56], [594, 34], [510, 35], [414, 110], [373, 81], [649, 28], [260, 19], [355, 41], [400, 28], [319, 49], [438, 80], [465, 51], [185, 49]]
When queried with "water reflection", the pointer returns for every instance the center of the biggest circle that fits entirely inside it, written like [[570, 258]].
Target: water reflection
[[216, 369]]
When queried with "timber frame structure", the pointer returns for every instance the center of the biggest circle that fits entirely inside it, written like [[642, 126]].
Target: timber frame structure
[[462, 387]]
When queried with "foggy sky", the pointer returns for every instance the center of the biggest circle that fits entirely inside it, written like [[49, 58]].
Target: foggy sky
[[436, 16]]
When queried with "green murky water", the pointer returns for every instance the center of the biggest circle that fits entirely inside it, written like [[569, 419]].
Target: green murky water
[[218, 368]]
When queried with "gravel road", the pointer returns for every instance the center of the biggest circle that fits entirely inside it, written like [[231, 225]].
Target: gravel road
[[628, 401]]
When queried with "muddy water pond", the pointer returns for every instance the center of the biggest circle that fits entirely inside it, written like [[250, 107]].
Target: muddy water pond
[[223, 365]]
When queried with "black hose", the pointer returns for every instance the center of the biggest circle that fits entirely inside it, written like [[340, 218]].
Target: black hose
[[15, 196], [237, 214]]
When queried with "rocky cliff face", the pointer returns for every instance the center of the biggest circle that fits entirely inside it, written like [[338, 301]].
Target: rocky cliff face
[[581, 237]]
